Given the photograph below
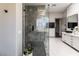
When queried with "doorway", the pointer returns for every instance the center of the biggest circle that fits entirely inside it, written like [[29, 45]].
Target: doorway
[[57, 27]]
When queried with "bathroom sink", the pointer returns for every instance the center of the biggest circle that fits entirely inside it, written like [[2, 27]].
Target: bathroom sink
[[68, 31]]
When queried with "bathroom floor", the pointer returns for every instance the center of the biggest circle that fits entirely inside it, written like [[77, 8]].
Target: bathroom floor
[[58, 48]]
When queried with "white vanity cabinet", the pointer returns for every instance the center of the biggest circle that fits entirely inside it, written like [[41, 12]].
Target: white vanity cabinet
[[72, 40], [63, 37], [75, 42], [66, 38]]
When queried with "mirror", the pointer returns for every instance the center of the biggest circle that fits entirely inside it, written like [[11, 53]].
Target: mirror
[[72, 22]]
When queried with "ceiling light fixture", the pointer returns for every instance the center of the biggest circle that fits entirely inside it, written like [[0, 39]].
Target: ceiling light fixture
[[51, 5]]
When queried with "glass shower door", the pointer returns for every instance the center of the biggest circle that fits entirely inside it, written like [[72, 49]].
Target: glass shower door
[[36, 31]]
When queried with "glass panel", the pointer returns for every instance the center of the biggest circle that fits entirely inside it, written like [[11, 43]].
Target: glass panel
[[42, 26], [36, 30]]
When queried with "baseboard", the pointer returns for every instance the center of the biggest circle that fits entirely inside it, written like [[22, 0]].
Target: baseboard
[[71, 47]]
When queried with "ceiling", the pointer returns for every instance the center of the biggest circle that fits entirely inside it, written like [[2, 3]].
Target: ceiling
[[57, 7], [53, 7]]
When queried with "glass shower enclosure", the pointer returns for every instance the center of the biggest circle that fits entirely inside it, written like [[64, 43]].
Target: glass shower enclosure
[[36, 29]]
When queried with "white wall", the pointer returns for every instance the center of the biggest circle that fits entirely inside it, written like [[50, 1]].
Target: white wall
[[73, 9], [52, 17], [8, 29], [9, 39], [19, 28]]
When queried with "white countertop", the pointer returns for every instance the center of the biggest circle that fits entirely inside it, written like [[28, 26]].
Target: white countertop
[[71, 34]]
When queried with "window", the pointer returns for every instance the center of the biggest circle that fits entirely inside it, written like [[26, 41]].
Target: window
[[41, 22]]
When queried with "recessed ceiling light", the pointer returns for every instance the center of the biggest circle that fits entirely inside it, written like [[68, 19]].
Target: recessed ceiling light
[[51, 5]]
